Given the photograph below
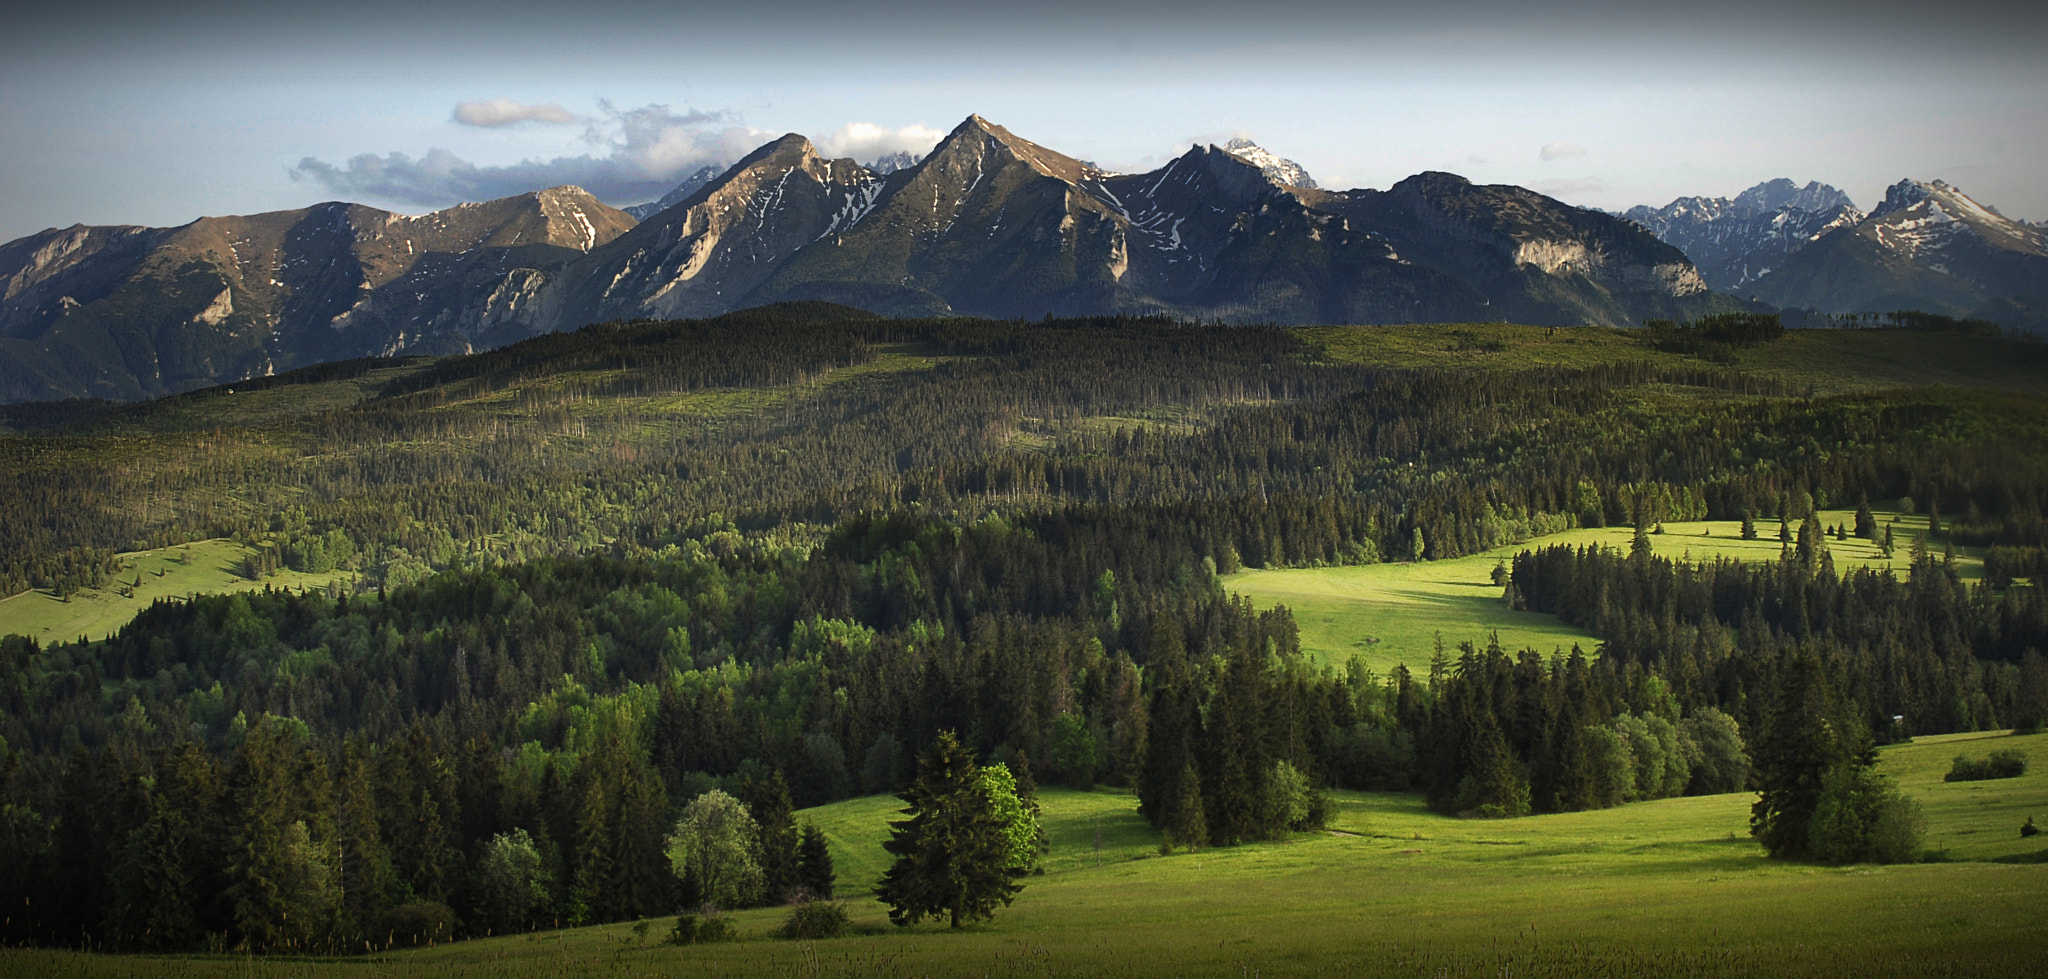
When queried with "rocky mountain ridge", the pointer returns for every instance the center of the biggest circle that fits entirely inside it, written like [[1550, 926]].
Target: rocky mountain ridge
[[1737, 241], [988, 223], [139, 312], [1928, 246]]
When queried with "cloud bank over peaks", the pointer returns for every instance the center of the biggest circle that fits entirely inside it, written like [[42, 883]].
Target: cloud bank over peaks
[[1560, 150], [637, 155], [498, 113], [866, 142]]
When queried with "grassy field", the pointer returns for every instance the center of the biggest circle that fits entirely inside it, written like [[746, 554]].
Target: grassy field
[[1673, 887], [1391, 613], [214, 567]]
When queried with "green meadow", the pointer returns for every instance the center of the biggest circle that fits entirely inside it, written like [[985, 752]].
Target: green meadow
[[1673, 887], [1389, 614], [201, 568]]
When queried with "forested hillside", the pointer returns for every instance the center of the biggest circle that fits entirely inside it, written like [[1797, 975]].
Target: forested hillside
[[604, 573]]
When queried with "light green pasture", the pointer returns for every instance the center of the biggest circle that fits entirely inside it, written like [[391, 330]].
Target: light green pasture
[[1390, 614], [214, 568]]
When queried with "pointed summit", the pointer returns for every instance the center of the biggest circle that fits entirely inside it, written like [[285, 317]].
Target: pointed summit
[[1048, 162]]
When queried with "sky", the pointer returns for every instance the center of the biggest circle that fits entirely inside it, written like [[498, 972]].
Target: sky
[[159, 114]]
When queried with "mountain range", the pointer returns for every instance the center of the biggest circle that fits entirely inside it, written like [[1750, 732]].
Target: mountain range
[[1928, 246], [986, 224]]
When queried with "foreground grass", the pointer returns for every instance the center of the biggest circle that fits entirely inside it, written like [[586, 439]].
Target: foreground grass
[[202, 568], [1673, 887], [1388, 614]]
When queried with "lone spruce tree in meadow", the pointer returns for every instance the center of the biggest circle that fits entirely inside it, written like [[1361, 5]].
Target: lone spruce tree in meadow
[[955, 855], [814, 863]]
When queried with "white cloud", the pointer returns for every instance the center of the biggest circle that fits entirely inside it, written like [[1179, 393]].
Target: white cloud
[[644, 152], [1560, 150], [496, 113], [866, 142]]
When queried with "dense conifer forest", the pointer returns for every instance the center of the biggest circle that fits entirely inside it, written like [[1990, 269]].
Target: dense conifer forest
[[605, 574]]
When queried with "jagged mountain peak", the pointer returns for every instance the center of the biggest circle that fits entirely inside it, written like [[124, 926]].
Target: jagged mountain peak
[[789, 148], [1276, 168], [681, 192], [1772, 195], [1950, 200], [1923, 215], [889, 163]]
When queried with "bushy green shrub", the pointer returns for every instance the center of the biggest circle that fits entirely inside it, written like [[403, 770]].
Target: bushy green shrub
[[1863, 817], [2001, 764], [690, 930], [685, 931], [716, 928], [419, 923], [815, 919]]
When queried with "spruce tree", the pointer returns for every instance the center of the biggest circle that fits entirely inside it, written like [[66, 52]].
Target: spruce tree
[[767, 799], [1173, 726], [814, 862], [1802, 742], [952, 855], [363, 865], [1188, 828], [154, 898]]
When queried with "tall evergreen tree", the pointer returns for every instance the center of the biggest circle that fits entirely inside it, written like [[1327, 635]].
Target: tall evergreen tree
[[1187, 826], [363, 873], [154, 894], [952, 854], [814, 863], [1174, 723], [1802, 742], [767, 800]]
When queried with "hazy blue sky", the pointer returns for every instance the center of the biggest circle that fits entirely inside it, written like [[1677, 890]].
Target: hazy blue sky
[[157, 115]]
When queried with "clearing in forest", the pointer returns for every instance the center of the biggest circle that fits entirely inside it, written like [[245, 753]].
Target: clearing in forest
[[210, 567], [1390, 614]]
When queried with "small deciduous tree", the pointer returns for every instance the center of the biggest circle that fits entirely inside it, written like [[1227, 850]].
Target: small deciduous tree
[[1073, 750], [512, 880], [1719, 764], [717, 842]]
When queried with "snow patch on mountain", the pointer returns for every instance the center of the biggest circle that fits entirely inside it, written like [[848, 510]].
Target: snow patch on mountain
[[1274, 166]]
